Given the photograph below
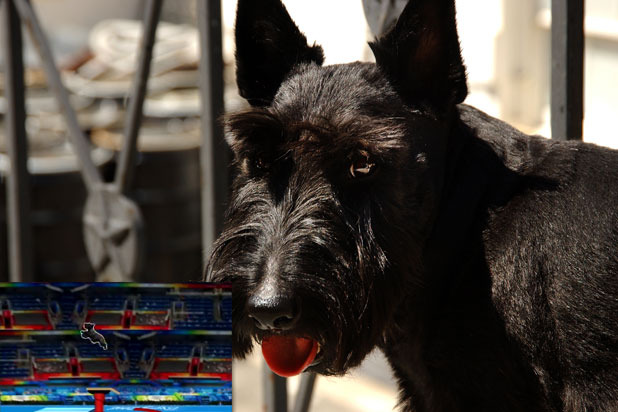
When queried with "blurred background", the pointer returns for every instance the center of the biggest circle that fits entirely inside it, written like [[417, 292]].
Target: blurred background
[[505, 44]]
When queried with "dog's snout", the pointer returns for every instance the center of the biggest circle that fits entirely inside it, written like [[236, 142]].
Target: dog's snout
[[273, 312]]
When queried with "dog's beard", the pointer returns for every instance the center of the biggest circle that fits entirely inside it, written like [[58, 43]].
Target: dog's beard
[[345, 308], [336, 269]]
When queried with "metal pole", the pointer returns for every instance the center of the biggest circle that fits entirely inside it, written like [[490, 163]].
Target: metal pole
[[214, 153], [567, 83], [90, 173], [126, 163], [18, 188], [275, 391], [303, 398]]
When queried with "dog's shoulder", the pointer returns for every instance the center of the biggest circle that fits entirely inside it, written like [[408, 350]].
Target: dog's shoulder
[[559, 214], [564, 165], [546, 199], [521, 191]]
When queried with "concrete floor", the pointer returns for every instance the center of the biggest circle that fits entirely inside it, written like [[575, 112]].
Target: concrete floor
[[368, 388]]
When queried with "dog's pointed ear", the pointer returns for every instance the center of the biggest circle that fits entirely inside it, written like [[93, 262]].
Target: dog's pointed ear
[[421, 56], [268, 46]]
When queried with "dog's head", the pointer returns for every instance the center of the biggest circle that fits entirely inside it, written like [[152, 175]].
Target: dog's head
[[339, 170]]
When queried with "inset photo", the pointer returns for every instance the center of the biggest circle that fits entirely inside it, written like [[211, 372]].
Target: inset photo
[[115, 346]]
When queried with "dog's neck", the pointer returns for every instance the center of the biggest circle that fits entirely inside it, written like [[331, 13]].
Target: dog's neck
[[475, 179]]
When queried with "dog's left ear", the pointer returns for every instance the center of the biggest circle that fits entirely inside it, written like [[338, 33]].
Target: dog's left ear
[[421, 56], [268, 46]]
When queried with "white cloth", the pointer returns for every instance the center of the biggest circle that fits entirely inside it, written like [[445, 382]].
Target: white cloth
[[381, 14]]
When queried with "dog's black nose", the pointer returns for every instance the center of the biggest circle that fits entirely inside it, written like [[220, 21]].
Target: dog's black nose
[[273, 312]]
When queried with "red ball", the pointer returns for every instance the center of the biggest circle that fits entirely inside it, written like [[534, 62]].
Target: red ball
[[287, 355]]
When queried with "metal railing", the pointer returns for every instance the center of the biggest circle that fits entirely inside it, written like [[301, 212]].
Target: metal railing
[[567, 69], [18, 197], [112, 221]]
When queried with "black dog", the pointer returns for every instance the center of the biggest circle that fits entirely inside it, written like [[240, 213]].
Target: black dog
[[371, 209], [88, 332]]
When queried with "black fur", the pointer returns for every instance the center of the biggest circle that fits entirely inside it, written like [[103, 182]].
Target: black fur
[[88, 332], [482, 261], [268, 58]]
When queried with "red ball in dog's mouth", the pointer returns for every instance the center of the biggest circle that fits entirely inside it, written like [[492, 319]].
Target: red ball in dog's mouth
[[288, 355]]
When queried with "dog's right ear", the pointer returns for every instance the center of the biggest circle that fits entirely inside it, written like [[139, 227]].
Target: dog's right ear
[[268, 46]]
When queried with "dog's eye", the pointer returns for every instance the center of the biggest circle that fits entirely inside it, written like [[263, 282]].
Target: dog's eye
[[259, 163], [362, 166]]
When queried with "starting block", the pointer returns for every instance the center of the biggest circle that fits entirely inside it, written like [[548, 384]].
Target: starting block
[[99, 397]]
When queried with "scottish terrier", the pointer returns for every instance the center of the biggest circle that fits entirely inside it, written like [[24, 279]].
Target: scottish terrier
[[371, 209]]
